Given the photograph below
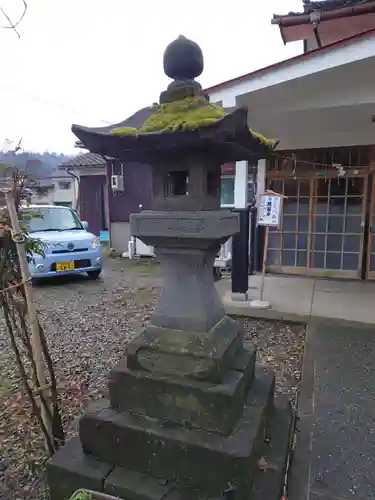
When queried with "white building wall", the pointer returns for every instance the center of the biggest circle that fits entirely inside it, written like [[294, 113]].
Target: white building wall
[[120, 236], [297, 67], [57, 194]]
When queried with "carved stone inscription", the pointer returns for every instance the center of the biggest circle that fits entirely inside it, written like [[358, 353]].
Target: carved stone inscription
[[166, 224]]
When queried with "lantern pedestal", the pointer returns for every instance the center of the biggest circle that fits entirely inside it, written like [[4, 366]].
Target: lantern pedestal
[[189, 412]]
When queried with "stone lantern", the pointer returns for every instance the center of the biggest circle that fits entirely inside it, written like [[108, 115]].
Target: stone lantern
[[189, 415]]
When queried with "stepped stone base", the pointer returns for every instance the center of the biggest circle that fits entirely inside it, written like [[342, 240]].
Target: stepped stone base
[[117, 453], [192, 403]]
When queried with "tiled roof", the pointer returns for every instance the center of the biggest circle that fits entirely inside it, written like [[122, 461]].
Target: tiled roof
[[309, 6], [85, 160], [326, 8]]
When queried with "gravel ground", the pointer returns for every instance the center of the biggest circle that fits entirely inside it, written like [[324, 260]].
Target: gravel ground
[[87, 324]]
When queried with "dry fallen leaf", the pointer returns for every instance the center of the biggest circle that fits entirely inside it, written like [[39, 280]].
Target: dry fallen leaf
[[264, 466]]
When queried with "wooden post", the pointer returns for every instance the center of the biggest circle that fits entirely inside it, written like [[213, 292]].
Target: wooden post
[[36, 343]]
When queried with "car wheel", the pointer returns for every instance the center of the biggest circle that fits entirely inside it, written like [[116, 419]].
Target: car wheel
[[94, 275]]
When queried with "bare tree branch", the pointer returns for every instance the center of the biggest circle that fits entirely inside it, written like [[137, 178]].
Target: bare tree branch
[[13, 25], [18, 147]]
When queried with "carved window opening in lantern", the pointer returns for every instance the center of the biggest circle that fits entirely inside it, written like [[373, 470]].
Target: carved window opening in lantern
[[176, 183]]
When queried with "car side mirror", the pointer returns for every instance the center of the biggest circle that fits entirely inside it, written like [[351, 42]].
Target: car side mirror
[[85, 225]]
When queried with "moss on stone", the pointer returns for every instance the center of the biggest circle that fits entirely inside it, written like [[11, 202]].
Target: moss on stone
[[187, 114], [124, 131], [81, 495], [268, 142]]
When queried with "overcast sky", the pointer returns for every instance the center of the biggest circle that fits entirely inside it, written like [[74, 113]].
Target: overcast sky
[[96, 61]]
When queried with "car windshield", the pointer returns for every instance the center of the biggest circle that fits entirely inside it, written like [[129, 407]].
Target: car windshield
[[52, 219]]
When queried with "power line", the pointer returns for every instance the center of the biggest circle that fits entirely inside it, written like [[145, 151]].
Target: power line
[[49, 102]]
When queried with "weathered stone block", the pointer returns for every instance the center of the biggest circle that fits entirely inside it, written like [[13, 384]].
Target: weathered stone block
[[199, 355], [213, 407], [185, 224], [130, 485], [189, 301], [209, 461], [70, 470]]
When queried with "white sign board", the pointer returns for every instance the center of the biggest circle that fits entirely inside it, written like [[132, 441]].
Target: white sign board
[[269, 211]]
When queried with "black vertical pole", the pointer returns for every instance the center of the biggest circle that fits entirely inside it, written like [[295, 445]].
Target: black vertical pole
[[259, 248], [252, 242], [240, 254]]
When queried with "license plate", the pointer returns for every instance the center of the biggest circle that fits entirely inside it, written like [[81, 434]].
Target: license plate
[[64, 266]]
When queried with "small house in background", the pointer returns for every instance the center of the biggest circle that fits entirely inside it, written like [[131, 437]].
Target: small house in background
[[105, 206], [57, 188], [49, 184]]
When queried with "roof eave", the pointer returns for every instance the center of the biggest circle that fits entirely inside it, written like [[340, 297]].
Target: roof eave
[[295, 19], [286, 62]]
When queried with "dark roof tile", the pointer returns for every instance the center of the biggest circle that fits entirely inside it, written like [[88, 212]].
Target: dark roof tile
[[330, 4], [85, 160]]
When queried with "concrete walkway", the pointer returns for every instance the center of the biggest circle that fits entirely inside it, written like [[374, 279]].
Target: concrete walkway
[[303, 299], [335, 454]]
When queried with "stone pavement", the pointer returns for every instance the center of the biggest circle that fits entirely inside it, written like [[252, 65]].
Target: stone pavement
[[334, 457], [301, 299], [335, 453]]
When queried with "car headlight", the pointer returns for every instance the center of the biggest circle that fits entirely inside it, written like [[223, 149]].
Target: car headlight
[[96, 242]]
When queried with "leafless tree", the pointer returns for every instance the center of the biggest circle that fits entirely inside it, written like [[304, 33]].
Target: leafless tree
[[11, 23]]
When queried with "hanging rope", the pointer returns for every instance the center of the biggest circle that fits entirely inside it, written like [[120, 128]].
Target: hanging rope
[[294, 160], [18, 237]]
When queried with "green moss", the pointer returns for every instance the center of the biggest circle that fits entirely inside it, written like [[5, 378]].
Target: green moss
[[187, 114], [81, 495], [124, 131], [268, 142]]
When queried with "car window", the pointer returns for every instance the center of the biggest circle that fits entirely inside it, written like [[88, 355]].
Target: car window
[[52, 219]]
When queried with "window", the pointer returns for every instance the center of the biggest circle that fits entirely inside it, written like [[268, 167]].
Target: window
[[52, 219], [41, 191], [227, 191], [64, 184]]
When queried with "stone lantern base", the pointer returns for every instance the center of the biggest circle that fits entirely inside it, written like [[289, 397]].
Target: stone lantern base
[[190, 415], [116, 453]]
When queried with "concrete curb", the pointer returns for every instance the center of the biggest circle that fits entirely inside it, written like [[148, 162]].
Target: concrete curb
[[244, 309]]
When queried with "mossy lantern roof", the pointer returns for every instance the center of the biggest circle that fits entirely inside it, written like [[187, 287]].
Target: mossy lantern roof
[[183, 121]]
